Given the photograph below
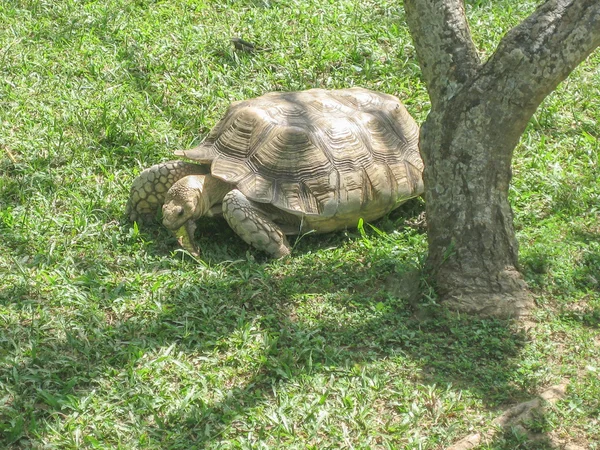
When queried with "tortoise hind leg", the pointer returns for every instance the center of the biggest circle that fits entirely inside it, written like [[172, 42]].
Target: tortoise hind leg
[[148, 190], [253, 225]]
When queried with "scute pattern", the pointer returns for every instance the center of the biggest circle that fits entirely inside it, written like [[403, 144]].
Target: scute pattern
[[333, 155]]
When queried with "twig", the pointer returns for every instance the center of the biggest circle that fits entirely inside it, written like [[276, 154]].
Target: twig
[[10, 155]]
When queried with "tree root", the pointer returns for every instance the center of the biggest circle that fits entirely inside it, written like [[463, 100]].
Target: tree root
[[517, 418]]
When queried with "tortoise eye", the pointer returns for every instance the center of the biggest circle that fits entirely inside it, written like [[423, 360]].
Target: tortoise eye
[[180, 212]]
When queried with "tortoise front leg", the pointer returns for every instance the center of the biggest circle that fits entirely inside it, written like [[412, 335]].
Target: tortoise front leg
[[253, 225], [148, 190]]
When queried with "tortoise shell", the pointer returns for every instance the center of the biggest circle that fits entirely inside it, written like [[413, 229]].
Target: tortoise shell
[[329, 156]]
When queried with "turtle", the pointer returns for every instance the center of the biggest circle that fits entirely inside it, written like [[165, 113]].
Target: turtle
[[287, 163]]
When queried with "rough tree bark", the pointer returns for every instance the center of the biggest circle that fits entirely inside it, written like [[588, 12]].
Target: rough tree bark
[[478, 112]]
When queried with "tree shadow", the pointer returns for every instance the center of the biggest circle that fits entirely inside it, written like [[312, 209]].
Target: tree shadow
[[587, 273], [585, 277], [476, 355], [588, 316], [538, 262]]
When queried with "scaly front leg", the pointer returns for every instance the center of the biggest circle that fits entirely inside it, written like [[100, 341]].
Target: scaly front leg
[[253, 225]]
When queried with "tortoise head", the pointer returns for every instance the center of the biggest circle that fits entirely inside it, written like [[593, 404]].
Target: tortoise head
[[184, 202]]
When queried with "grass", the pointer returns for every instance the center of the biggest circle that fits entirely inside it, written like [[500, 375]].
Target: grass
[[112, 339]]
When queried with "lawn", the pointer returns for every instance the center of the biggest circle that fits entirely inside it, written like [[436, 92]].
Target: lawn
[[112, 338]]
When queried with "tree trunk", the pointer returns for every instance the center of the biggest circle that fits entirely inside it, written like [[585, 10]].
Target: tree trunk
[[473, 252], [478, 114]]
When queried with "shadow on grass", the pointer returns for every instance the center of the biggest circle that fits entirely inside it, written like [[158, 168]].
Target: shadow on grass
[[321, 318], [540, 261], [361, 323], [587, 273], [469, 354]]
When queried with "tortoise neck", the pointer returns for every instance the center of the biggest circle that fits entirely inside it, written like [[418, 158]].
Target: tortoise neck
[[211, 192]]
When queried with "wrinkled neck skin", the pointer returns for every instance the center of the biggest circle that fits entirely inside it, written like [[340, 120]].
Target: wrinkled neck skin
[[191, 198]]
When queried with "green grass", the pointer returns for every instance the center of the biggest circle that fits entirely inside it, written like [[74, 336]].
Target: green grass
[[110, 338]]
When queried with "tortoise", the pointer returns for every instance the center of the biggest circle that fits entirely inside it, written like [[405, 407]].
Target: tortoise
[[287, 163]]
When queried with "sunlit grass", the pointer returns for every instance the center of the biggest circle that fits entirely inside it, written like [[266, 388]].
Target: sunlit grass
[[111, 339]]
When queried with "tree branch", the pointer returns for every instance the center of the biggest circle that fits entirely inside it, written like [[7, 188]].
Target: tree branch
[[538, 54], [442, 38], [532, 59]]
